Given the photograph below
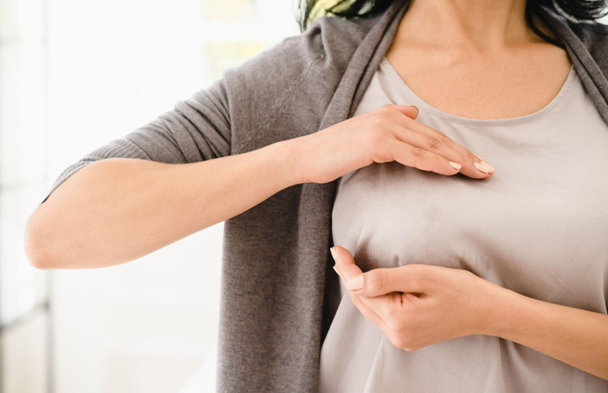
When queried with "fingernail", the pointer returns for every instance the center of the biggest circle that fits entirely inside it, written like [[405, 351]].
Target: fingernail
[[455, 165], [336, 269], [490, 167], [482, 167], [356, 283], [477, 156], [333, 253]]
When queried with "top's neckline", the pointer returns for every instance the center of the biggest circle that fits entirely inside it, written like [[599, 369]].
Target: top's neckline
[[429, 109]]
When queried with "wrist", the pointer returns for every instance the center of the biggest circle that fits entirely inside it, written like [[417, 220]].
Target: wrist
[[504, 315], [284, 160]]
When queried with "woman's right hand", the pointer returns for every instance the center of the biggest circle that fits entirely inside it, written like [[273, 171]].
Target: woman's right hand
[[388, 133]]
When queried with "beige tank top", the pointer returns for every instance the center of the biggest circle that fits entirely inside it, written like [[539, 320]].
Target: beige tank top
[[539, 227]]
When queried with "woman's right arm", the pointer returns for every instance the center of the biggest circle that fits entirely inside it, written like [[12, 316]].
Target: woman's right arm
[[119, 209]]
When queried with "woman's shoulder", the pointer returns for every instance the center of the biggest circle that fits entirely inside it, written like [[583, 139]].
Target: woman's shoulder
[[299, 75], [324, 49], [594, 36]]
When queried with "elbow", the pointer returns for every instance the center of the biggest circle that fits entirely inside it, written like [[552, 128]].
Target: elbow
[[36, 245]]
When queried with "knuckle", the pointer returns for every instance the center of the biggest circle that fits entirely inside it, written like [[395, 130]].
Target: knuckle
[[418, 157], [470, 156], [442, 137], [433, 143], [386, 109], [410, 348], [379, 122], [466, 274], [375, 138], [380, 125], [420, 274], [420, 277], [395, 321], [419, 153], [399, 341], [375, 280]]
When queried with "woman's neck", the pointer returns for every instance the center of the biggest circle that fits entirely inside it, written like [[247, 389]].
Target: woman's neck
[[477, 25]]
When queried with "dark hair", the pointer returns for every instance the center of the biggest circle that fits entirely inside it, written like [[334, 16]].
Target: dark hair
[[587, 10]]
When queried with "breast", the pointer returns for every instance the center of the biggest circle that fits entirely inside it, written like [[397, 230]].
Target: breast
[[539, 226]]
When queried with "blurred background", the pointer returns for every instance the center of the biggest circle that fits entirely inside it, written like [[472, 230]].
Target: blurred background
[[75, 74]]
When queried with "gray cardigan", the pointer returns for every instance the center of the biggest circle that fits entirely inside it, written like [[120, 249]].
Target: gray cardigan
[[276, 255]]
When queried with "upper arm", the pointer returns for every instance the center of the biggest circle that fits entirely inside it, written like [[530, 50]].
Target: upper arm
[[243, 104], [196, 129]]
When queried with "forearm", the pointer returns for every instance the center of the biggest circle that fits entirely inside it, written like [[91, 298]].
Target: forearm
[[117, 210], [574, 336]]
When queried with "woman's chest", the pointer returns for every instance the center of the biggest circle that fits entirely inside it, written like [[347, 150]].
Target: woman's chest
[[538, 226], [475, 86]]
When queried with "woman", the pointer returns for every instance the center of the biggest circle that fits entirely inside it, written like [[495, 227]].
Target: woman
[[248, 150], [530, 228]]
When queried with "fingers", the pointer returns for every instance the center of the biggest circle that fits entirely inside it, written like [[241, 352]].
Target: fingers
[[419, 150], [376, 282], [382, 281], [345, 263], [425, 160], [436, 134], [410, 111], [385, 311], [426, 138]]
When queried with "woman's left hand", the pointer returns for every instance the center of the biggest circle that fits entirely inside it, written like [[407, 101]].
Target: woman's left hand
[[418, 305]]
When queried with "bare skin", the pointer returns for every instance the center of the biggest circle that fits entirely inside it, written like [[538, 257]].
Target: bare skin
[[476, 59]]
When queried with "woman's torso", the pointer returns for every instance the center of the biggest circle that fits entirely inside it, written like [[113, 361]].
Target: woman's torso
[[538, 227]]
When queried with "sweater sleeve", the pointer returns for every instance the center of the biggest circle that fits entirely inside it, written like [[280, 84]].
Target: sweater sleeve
[[239, 111], [196, 129]]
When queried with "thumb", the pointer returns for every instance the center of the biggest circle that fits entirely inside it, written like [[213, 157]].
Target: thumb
[[411, 111], [345, 263], [382, 281]]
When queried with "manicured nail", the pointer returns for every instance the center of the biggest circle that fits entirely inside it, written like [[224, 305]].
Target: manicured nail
[[477, 156], [455, 165], [490, 167], [482, 167], [336, 269], [333, 253], [354, 284]]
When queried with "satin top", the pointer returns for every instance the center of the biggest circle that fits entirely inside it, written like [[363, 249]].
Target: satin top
[[539, 227]]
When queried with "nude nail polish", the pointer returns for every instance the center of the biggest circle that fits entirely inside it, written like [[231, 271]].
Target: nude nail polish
[[483, 167], [477, 156], [336, 269], [490, 167], [356, 283], [455, 165]]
